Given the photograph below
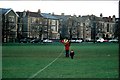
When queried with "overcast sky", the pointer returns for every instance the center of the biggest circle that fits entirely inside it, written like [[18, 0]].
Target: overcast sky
[[107, 8]]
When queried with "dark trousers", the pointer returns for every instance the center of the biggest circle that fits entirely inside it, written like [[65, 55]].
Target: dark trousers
[[71, 56], [67, 53]]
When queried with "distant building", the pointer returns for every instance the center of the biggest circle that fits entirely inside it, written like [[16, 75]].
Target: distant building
[[51, 26], [105, 27], [63, 30], [27, 24], [38, 25], [85, 27], [9, 25], [30, 24]]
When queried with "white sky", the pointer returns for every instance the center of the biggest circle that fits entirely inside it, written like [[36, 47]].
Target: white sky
[[107, 8]]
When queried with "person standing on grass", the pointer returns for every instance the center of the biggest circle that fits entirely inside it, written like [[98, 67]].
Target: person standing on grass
[[72, 54], [66, 43]]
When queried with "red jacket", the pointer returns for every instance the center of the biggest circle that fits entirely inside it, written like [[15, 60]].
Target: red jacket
[[67, 46]]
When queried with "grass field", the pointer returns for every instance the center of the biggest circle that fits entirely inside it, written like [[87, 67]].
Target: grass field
[[90, 61]]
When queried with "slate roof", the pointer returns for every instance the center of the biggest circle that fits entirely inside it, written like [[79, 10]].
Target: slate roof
[[4, 10], [20, 13], [94, 18], [63, 17], [107, 19], [83, 18], [32, 14], [49, 16]]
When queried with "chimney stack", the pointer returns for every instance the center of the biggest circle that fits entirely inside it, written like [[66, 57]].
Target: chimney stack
[[113, 18], [101, 15], [53, 13], [24, 13], [39, 11], [62, 14], [110, 18]]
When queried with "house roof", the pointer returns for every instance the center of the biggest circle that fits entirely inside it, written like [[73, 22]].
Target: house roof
[[83, 18], [107, 19], [34, 14], [63, 17], [4, 10], [28, 13], [7, 10], [95, 18], [20, 14], [48, 15]]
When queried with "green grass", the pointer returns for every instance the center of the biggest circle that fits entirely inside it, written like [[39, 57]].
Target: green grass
[[90, 61]]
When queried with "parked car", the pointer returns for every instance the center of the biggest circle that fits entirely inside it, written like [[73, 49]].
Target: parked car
[[113, 40], [79, 41], [23, 40], [76, 41], [88, 40], [102, 40], [47, 41], [35, 41], [72, 41]]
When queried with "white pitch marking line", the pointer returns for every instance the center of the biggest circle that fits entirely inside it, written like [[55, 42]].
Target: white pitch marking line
[[44, 67]]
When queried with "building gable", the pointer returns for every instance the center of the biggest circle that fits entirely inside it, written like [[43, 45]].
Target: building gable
[[5, 11]]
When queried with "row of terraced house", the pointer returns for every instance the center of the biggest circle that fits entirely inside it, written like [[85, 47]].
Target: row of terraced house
[[27, 24]]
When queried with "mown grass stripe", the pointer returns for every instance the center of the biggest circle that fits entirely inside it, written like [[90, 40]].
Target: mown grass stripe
[[45, 67]]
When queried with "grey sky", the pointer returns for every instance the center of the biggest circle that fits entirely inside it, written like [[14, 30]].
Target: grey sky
[[107, 8]]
